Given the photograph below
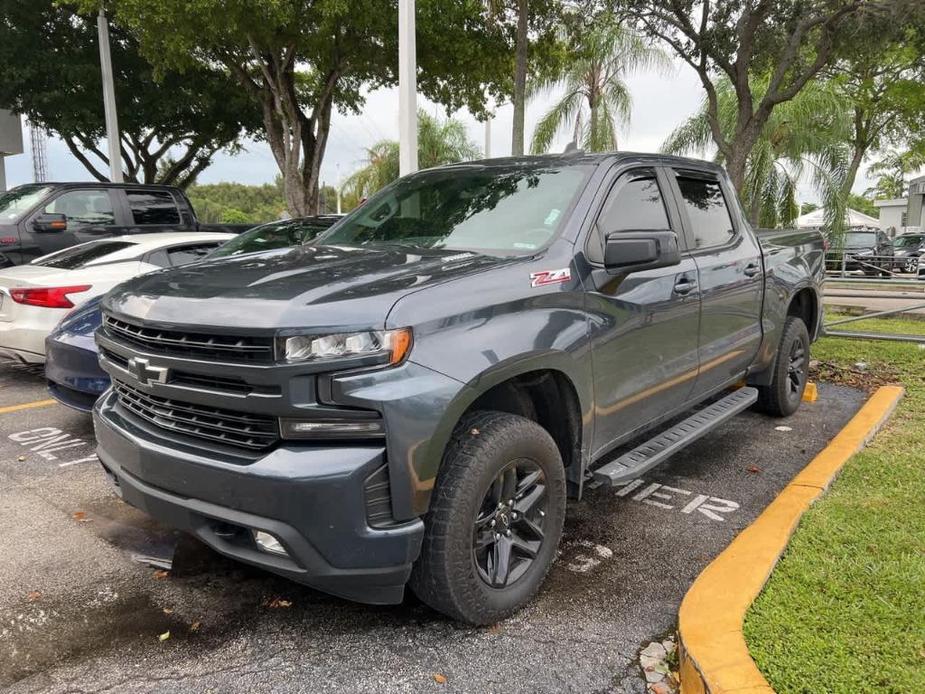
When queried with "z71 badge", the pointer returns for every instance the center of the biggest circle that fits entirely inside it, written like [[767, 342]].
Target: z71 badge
[[544, 277]]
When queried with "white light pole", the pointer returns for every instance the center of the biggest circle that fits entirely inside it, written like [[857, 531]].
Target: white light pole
[[109, 100], [488, 137], [407, 90]]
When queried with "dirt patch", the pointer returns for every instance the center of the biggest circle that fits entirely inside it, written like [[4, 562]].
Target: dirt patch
[[867, 378]]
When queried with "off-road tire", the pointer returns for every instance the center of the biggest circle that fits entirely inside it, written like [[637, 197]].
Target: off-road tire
[[445, 576], [778, 399]]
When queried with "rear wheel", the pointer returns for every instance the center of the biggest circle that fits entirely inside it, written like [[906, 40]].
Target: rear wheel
[[782, 397], [495, 519]]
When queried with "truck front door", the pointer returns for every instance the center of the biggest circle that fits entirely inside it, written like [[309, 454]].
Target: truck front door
[[731, 278], [644, 324]]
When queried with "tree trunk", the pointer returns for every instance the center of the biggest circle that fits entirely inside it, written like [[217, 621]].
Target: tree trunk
[[520, 79]]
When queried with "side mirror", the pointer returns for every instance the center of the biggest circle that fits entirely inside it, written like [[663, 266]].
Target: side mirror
[[50, 221], [632, 251]]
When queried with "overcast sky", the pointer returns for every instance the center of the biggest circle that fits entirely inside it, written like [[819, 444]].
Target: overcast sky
[[659, 104]]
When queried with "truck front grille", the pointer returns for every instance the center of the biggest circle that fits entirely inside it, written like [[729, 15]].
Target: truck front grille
[[228, 348], [239, 429]]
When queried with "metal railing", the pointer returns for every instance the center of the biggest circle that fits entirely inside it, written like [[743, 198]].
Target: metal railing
[[841, 263]]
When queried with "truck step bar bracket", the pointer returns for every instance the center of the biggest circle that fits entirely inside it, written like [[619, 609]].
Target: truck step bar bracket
[[662, 446]]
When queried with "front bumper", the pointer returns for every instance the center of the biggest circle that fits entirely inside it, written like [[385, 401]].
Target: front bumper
[[310, 497], [73, 371]]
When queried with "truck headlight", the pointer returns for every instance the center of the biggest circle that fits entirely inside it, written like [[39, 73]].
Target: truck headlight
[[390, 345]]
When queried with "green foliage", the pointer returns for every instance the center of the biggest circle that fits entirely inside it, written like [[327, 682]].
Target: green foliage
[[596, 98], [172, 123], [805, 135], [842, 611], [236, 203], [439, 142], [893, 171], [298, 60], [862, 204]]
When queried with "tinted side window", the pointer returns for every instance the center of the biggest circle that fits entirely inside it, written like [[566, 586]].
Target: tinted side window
[[707, 211], [153, 207], [84, 208], [634, 204], [189, 254]]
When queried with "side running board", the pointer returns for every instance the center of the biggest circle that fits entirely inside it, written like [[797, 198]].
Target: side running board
[[658, 449]]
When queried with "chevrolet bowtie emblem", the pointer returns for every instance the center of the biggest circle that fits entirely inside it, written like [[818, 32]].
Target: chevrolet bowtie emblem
[[141, 369]]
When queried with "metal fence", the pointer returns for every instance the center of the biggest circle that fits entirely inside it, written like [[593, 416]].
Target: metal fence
[[843, 271]]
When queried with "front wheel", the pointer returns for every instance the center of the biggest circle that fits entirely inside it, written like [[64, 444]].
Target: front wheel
[[782, 396], [495, 519]]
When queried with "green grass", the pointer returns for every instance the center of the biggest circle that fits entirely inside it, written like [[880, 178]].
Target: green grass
[[844, 611], [898, 326]]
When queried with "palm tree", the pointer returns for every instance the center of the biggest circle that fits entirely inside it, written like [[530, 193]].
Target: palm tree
[[596, 97], [439, 142], [893, 169], [497, 8], [806, 135]]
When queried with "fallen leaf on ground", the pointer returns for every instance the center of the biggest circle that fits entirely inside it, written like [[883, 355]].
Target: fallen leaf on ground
[[278, 602], [21, 458], [34, 595], [783, 428], [440, 679], [164, 636], [167, 610], [194, 626], [494, 629], [474, 431], [160, 575], [753, 468], [81, 517]]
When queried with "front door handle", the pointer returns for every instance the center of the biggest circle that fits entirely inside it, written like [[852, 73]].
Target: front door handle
[[751, 270], [684, 286]]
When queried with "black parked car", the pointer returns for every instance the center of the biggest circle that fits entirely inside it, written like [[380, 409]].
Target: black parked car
[[41, 218], [869, 250], [907, 249]]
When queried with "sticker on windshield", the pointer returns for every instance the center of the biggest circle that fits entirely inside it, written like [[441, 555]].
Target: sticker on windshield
[[552, 217], [544, 277]]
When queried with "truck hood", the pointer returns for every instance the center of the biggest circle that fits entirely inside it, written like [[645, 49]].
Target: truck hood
[[307, 286]]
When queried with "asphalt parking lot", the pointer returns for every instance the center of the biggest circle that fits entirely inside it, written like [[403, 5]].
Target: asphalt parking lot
[[81, 610]]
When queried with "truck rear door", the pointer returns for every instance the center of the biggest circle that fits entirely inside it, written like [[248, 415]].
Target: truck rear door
[[730, 276]]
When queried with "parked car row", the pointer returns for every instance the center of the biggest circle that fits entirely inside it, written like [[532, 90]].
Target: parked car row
[[41, 218], [50, 307], [873, 252]]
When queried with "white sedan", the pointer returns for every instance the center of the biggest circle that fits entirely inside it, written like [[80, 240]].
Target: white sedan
[[35, 297]]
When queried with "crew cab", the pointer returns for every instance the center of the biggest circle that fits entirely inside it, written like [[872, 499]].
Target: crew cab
[[41, 218], [412, 397]]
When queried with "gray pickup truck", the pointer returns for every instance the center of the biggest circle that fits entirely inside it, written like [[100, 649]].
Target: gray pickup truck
[[411, 398]]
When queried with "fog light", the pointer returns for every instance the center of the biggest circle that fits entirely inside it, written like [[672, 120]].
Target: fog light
[[330, 429], [269, 543]]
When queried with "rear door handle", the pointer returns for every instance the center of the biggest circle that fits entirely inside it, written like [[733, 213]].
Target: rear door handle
[[751, 270], [684, 286]]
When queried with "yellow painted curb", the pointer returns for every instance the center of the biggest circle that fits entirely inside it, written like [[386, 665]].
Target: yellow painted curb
[[27, 406], [714, 656]]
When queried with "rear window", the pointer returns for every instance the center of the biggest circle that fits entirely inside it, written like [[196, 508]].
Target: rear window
[[153, 207], [861, 238], [78, 256]]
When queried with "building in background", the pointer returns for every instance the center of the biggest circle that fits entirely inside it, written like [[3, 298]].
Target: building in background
[[10, 141], [901, 215]]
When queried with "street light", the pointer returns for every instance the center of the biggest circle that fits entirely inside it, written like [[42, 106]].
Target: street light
[[407, 90], [109, 100]]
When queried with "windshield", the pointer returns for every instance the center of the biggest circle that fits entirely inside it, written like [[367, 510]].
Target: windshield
[[861, 238], [270, 236], [496, 210], [908, 241], [77, 257], [16, 202]]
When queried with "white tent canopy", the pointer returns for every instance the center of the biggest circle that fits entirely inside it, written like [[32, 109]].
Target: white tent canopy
[[853, 218]]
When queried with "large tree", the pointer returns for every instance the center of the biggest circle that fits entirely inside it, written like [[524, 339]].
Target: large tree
[[595, 97], [789, 40], [804, 136], [300, 59], [171, 124]]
